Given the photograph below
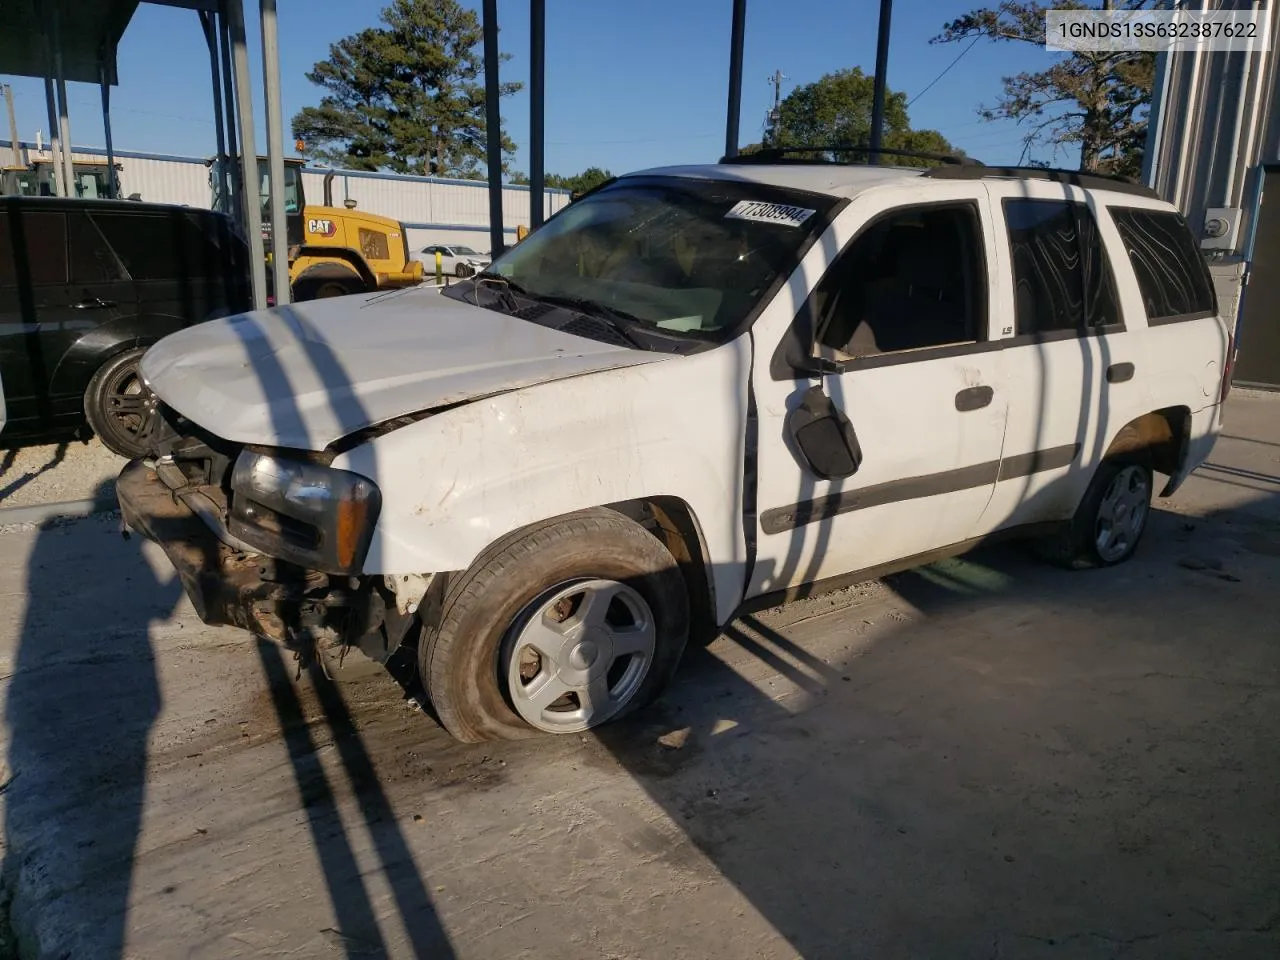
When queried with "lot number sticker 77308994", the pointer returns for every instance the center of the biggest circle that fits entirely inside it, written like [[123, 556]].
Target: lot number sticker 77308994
[[761, 212]]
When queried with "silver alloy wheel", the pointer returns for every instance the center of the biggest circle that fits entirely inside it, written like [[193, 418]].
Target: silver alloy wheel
[[1122, 513], [578, 654]]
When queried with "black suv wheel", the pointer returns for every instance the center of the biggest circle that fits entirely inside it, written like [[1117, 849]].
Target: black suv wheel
[[117, 405]]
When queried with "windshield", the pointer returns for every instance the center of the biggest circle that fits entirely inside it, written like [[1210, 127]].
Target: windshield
[[466, 251], [291, 205], [691, 258]]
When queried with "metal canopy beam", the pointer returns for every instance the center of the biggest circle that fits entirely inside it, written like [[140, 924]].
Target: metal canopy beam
[[275, 148], [90, 33], [248, 153], [882, 71], [113, 184], [733, 113], [537, 111], [493, 126]]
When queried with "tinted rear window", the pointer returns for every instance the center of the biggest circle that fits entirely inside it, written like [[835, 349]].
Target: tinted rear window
[[1171, 272], [91, 259], [1062, 280], [168, 246]]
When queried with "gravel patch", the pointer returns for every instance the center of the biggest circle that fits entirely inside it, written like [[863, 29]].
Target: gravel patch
[[57, 472]]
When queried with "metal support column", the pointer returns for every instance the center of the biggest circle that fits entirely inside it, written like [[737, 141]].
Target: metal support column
[[14, 145], [733, 112], [235, 207], [493, 126], [537, 111], [55, 150], [64, 120], [248, 153], [64, 132], [113, 185], [219, 174], [1156, 117], [275, 148], [881, 81]]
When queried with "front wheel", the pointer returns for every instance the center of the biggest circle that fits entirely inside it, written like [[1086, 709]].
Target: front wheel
[[462, 271], [1110, 520], [119, 407], [558, 628]]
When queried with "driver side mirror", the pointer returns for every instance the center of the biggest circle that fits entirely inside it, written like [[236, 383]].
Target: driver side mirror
[[824, 437]]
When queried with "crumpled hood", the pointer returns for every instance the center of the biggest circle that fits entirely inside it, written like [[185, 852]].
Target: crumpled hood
[[305, 375]]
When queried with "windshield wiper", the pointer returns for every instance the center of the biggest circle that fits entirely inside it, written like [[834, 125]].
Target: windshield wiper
[[617, 320], [501, 286]]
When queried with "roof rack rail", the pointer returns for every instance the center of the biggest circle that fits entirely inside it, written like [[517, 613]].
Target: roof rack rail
[[1075, 178], [775, 155]]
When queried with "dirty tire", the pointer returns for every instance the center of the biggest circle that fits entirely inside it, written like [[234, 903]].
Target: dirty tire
[[1076, 547], [460, 660], [462, 271], [114, 405]]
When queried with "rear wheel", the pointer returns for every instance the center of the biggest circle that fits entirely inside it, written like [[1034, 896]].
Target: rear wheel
[[1110, 520], [118, 405], [558, 628]]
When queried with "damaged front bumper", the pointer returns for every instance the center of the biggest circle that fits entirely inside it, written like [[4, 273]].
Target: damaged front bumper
[[230, 585]]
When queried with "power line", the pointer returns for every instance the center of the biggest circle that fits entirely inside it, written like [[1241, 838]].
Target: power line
[[945, 70]]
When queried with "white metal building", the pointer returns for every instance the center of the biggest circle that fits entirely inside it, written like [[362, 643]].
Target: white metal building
[[1213, 142], [433, 209]]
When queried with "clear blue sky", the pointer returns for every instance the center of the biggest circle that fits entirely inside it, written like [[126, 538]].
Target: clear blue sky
[[629, 85]]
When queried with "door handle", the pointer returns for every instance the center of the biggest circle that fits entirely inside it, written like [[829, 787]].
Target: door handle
[[973, 398], [1119, 372], [93, 303]]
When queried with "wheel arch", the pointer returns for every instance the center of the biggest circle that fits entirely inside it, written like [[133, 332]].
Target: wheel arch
[[1157, 439], [83, 359], [673, 521]]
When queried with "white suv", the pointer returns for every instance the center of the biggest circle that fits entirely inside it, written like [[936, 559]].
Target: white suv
[[693, 389]]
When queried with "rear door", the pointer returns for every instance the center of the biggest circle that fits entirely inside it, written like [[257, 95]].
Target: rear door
[[1073, 370], [180, 275]]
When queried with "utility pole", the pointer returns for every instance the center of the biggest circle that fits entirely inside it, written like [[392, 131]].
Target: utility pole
[[773, 121]]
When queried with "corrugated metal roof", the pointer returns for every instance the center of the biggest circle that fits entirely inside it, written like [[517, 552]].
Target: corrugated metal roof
[[87, 33]]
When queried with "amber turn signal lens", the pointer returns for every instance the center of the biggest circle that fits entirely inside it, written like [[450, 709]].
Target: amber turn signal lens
[[351, 519]]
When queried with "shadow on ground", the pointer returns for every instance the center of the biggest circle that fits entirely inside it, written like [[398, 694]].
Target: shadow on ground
[[1038, 762], [78, 680], [12, 486]]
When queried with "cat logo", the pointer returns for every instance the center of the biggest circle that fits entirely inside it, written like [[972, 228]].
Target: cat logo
[[324, 228]]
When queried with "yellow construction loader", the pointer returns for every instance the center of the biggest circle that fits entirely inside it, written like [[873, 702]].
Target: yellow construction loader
[[335, 251]]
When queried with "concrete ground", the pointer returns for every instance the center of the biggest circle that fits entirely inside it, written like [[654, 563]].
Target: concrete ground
[[986, 758], [56, 472]]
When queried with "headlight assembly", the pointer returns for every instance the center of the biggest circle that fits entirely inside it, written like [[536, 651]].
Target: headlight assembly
[[307, 513]]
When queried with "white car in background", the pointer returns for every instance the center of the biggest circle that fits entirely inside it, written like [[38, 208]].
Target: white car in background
[[455, 259]]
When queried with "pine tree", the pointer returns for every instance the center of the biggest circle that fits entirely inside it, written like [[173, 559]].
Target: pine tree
[[406, 96]]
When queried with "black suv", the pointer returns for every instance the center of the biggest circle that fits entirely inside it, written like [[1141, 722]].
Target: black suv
[[85, 287]]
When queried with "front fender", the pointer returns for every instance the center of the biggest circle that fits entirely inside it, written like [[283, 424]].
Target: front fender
[[458, 480]]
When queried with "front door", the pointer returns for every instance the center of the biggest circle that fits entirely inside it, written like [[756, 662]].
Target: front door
[[901, 323]]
